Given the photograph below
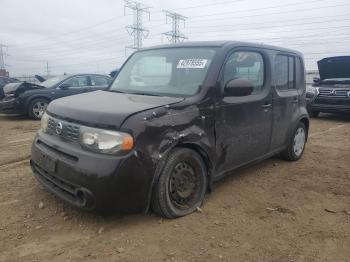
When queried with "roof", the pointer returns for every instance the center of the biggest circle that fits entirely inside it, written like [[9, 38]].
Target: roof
[[335, 57], [222, 44]]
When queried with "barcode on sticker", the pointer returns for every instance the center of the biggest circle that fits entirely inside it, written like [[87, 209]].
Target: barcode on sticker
[[192, 63]]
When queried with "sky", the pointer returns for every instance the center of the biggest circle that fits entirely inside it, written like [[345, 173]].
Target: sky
[[89, 36]]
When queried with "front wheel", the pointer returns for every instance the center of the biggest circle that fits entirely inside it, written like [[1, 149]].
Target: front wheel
[[181, 186], [37, 108], [296, 147]]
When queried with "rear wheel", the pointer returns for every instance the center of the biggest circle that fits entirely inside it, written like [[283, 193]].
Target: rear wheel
[[37, 108], [181, 186], [296, 147]]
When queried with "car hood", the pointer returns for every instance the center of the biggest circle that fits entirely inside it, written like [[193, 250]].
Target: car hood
[[105, 109], [334, 67], [18, 88], [11, 87]]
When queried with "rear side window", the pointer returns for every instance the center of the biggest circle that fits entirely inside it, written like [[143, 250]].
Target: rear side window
[[246, 65], [99, 81], [285, 72], [299, 73], [77, 81]]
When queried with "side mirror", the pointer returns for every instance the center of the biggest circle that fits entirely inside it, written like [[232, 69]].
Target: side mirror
[[239, 87], [316, 79], [65, 86]]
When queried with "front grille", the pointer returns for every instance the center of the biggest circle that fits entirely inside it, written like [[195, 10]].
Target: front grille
[[333, 92], [69, 131]]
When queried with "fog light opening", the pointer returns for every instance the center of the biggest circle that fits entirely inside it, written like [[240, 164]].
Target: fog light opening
[[81, 197]]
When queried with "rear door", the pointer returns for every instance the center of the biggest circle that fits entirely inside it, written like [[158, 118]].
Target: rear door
[[243, 124], [285, 98]]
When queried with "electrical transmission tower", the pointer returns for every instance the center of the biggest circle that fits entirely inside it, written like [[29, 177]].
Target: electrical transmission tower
[[136, 29], [175, 35], [2, 56]]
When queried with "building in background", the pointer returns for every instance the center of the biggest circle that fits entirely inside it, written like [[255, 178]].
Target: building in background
[[3, 72]]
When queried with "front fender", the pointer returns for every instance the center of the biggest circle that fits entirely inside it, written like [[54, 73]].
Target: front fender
[[159, 131], [26, 100]]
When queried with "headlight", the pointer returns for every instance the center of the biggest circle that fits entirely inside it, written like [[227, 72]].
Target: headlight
[[310, 89], [44, 122], [105, 141]]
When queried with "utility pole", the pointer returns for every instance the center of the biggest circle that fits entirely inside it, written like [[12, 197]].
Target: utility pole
[[2, 57], [136, 29], [175, 35], [47, 68]]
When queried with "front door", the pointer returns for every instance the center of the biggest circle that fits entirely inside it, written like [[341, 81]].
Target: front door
[[72, 86], [243, 123], [98, 82]]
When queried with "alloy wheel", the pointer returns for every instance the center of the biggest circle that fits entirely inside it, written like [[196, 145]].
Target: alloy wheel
[[39, 109]]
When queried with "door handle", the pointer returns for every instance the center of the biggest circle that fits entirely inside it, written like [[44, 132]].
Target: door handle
[[266, 105]]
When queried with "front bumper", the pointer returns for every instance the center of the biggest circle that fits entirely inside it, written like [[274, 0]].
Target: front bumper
[[331, 105], [9, 106], [92, 181]]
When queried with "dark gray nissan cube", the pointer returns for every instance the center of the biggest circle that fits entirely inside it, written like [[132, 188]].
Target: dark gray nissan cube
[[174, 120]]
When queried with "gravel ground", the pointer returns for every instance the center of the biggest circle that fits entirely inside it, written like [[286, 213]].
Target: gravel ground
[[273, 211]]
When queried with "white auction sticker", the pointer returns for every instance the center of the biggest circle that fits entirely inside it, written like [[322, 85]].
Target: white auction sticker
[[192, 63]]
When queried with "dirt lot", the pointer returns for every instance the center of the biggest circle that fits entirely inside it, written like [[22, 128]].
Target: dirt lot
[[273, 211]]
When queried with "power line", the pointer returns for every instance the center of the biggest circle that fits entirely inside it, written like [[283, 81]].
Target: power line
[[111, 37], [270, 26], [216, 19], [198, 6], [175, 35], [136, 29], [268, 14], [279, 21], [262, 8]]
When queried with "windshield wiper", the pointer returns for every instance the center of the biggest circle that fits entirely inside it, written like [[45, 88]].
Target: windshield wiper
[[143, 94], [133, 93], [116, 91]]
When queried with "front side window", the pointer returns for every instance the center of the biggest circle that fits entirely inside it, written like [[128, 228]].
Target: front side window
[[170, 71], [285, 72], [76, 81], [245, 65]]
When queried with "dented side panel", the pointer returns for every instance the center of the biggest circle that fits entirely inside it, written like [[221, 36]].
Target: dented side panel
[[158, 131]]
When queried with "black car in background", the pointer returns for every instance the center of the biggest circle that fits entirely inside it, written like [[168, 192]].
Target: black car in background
[[32, 99], [331, 92]]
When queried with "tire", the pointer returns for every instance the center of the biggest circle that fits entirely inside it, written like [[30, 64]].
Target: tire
[[296, 146], [314, 114], [37, 108], [181, 185]]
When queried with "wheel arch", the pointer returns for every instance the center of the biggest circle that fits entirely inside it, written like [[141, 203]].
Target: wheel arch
[[202, 153], [305, 120], [30, 100], [189, 145]]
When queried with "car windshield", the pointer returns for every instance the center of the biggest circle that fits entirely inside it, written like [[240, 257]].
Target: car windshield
[[52, 81], [166, 72]]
